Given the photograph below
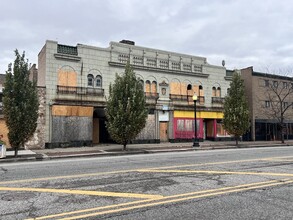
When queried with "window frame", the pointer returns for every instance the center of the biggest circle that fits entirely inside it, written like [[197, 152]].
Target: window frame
[[98, 78], [90, 80]]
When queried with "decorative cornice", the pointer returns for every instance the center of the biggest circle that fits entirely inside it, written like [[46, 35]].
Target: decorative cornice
[[175, 72], [67, 57]]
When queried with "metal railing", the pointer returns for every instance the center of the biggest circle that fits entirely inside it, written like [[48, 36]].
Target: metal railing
[[80, 90], [187, 98], [218, 100]]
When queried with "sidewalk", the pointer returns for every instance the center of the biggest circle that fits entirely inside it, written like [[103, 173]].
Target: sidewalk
[[115, 149]]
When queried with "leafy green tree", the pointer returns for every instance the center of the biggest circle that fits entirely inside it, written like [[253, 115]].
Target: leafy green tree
[[126, 110], [20, 103], [236, 112]]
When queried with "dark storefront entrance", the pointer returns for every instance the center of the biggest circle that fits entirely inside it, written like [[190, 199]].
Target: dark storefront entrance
[[100, 133]]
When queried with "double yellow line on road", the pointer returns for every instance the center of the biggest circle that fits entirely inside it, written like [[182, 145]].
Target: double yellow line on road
[[137, 170], [164, 200], [151, 200], [83, 192]]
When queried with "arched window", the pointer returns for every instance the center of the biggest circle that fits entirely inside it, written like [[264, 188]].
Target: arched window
[[148, 86], [189, 90], [154, 87], [218, 92], [98, 81], [200, 90], [214, 92], [90, 80]]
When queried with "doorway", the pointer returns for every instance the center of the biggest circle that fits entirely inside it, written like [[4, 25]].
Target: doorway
[[164, 131], [100, 132]]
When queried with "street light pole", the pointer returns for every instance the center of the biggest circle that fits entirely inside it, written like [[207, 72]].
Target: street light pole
[[195, 140]]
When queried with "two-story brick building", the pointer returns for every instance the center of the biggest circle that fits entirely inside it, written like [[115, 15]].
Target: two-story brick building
[[74, 83]]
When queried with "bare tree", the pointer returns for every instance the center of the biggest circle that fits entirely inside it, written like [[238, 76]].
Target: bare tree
[[277, 99]]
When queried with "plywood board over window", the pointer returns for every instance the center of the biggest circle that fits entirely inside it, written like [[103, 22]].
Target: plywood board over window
[[201, 91], [67, 78], [154, 87], [175, 88], [63, 110], [196, 89], [183, 88]]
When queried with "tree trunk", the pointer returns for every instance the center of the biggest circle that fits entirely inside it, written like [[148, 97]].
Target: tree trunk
[[236, 139], [282, 136], [15, 151], [282, 129], [124, 146]]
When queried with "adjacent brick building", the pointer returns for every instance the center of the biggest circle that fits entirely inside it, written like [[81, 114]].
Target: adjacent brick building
[[258, 88]]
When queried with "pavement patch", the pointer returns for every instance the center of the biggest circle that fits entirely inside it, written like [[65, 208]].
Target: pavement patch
[[216, 172], [165, 200]]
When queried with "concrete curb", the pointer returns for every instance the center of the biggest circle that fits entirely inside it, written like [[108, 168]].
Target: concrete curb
[[104, 153]]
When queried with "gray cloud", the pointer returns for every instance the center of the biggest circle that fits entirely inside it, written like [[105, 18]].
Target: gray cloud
[[242, 32]]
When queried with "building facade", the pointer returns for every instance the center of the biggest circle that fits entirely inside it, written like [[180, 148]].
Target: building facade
[[74, 82], [267, 96], [3, 127]]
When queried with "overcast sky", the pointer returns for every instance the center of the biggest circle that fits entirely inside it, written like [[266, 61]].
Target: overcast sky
[[244, 33]]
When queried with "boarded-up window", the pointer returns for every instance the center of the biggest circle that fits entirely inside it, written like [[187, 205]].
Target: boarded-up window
[[218, 92], [147, 86], [183, 90], [196, 89], [214, 92], [175, 88], [189, 90], [154, 87], [67, 77], [201, 91]]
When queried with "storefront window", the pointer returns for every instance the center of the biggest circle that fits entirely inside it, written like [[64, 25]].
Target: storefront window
[[180, 125], [189, 125]]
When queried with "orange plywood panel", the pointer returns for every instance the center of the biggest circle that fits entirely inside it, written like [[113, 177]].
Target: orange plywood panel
[[66, 78], [175, 88], [196, 90], [63, 110], [4, 131]]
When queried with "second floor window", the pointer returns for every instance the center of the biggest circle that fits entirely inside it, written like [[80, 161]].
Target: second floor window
[[147, 86], [98, 81], [90, 80], [214, 91], [218, 92], [267, 104]]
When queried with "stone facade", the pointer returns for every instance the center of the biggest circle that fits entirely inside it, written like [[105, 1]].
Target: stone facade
[[3, 128], [80, 76], [38, 139]]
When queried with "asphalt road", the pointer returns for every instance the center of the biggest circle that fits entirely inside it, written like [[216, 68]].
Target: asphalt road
[[254, 183]]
